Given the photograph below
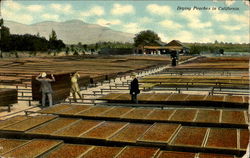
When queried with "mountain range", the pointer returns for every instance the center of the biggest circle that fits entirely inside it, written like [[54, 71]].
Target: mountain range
[[71, 32]]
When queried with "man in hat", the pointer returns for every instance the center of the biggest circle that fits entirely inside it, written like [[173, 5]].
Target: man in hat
[[46, 87], [134, 88], [74, 86]]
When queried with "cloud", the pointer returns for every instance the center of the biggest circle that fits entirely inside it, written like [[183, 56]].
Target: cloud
[[221, 17], [197, 24], [159, 9], [190, 15], [106, 23], [94, 11], [184, 36], [132, 28], [246, 2], [230, 17], [66, 9], [232, 28], [35, 8], [229, 2], [20, 17], [12, 5], [163, 37], [193, 18], [170, 24], [119, 9], [145, 20], [47, 16]]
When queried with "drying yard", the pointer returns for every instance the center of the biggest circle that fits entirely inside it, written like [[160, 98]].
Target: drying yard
[[198, 109]]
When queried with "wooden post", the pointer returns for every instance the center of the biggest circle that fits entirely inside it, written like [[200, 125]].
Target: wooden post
[[8, 108]]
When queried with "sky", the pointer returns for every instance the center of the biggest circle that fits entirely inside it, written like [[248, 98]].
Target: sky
[[185, 20]]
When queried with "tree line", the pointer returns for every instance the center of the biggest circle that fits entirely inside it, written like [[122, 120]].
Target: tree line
[[196, 48], [13, 42], [33, 43]]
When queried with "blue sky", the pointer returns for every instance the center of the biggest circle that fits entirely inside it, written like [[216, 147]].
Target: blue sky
[[185, 24]]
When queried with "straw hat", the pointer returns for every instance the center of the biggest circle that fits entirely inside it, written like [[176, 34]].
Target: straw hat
[[44, 74]]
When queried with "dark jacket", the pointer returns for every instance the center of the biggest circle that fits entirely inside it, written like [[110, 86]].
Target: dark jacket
[[134, 86], [45, 84]]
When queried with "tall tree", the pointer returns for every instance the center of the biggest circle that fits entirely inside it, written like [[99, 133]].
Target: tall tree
[[53, 36], [4, 37], [147, 37]]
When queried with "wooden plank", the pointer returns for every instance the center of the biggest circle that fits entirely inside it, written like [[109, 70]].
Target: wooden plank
[[234, 99], [123, 97], [110, 96], [144, 97], [222, 138], [138, 152], [94, 111], [56, 108], [177, 97], [195, 98], [159, 115], [208, 116], [174, 154], [137, 113], [104, 130], [38, 147], [159, 133], [75, 109], [159, 97], [233, 117], [130, 133], [214, 98], [29, 123], [116, 112], [78, 128], [211, 155], [244, 138], [9, 144], [68, 151], [246, 99], [186, 115], [102, 152], [190, 136], [12, 120], [52, 126]]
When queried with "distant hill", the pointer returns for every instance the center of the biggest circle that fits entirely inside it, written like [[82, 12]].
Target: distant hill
[[71, 32]]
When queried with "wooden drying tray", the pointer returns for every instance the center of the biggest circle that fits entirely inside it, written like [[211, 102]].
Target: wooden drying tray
[[181, 99], [21, 147], [161, 77], [197, 117], [8, 97], [175, 136]]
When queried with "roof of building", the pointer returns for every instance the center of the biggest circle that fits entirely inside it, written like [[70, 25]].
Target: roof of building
[[175, 43]]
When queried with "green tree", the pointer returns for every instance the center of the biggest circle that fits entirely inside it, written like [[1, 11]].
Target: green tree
[[85, 47], [4, 38], [52, 36], [147, 37], [67, 51]]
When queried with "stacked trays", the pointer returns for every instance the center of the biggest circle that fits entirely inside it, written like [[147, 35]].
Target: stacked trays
[[8, 97], [61, 87]]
